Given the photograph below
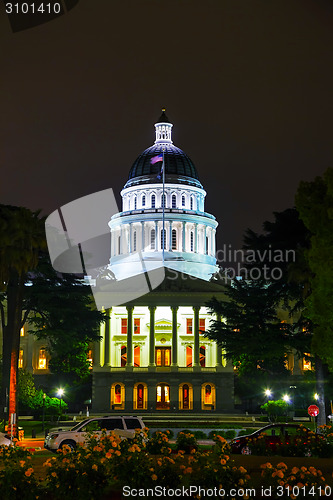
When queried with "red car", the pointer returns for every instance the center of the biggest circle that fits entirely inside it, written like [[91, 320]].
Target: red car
[[271, 437]]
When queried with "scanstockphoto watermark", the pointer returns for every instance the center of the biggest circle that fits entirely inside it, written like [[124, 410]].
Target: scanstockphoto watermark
[[190, 491]]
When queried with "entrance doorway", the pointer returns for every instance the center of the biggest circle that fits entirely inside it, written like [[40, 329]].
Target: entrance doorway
[[163, 356], [163, 397]]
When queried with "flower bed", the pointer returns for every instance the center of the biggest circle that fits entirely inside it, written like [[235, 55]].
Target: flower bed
[[106, 464]]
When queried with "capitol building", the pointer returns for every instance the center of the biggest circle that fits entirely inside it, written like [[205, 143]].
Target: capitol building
[[153, 356]]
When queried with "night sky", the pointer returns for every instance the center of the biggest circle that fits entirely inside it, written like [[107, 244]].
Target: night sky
[[247, 84]]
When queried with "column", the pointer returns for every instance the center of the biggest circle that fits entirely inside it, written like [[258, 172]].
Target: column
[[196, 310], [213, 242], [142, 236], [130, 239], [184, 234], [170, 236], [129, 345], [174, 310], [107, 339], [156, 236], [205, 240], [218, 347], [196, 238], [152, 310]]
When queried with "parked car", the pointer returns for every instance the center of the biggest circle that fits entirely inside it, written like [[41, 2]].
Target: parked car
[[122, 426], [4, 439], [273, 436]]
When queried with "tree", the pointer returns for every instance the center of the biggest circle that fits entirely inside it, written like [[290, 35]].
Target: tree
[[21, 239], [251, 333], [314, 201], [63, 313]]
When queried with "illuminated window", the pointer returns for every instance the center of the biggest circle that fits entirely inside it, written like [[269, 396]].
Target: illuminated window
[[137, 355], [186, 397], [90, 358], [163, 239], [208, 395], [136, 325], [189, 325], [174, 239], [134, 241], [139, 396], [152, 239], [163, 201], [158, 356], [42, 359], [162, 356], [189, 352], [191, 203], [174, 201], [140, 393], [153, 201], [124, 325], [183, 201], [135, 203], [20, 360], [192, 241], [307, 363], [202, 324], [123, 355], [163, 396], [117, 394], [202, 356], [22, 332], [143, 200]]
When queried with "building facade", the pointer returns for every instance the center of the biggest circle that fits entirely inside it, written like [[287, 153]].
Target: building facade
[[153, 355]]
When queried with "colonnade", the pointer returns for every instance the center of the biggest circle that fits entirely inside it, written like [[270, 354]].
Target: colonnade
[[174, 348]]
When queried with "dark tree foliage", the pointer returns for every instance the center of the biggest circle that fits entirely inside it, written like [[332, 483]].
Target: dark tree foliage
[[251, 333], [63, 313]]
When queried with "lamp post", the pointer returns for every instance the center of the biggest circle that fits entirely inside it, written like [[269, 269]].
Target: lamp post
[[60, 394], [286, 398], [43, 426]]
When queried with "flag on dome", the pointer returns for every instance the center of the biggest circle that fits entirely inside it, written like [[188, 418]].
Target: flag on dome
[[156, 159]]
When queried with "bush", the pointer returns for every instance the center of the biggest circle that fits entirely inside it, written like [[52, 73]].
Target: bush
[[186, 441], [227, 434], [200, 435], [158, 444], [245, 432], [275, 409]]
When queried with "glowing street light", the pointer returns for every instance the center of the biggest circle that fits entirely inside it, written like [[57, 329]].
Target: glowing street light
[[60, 394], [268, 393], [286, 398], [316, 396]]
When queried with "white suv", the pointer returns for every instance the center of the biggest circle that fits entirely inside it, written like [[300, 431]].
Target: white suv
[[122, 426]]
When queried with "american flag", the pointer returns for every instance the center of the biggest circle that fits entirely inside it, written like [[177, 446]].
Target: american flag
[[156, 159]]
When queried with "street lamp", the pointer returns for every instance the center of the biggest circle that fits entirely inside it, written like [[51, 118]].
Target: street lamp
[[316, 396], [286, 398], [60, 394], [44, 396], [268, 393]]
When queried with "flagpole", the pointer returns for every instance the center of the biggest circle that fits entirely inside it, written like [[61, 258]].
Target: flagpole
[[163, 207]]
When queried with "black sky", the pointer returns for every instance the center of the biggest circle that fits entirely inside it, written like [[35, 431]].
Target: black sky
[[247, 84]]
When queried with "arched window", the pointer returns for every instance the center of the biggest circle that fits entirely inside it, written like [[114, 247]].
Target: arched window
[[137, 355], [189, 352], [208, 396], [135, 202], [174, 201], [119, 245], [118, 396], [192, 241], [191, 203], [143, 201], [163, 239], [134, 241], [163, 201], [139, 397], [174, 239], [183, 200], [123, 354], [202, 355], [42, 364], [186, 397], [152, 239], [153, 201]]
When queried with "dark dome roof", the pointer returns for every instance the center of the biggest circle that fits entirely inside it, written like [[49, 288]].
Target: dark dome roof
[[177, 163]]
